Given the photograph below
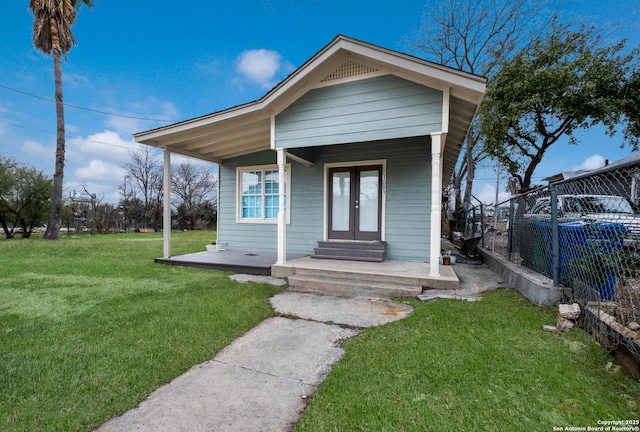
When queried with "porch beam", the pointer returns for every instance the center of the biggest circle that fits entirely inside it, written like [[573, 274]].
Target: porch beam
[[446, 93], [299, 159], [437, 145], [166, 210], [282, 217]]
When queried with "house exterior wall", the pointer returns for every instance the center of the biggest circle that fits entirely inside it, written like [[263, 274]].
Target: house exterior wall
[[377, 108], [258, 237], [408, 200]]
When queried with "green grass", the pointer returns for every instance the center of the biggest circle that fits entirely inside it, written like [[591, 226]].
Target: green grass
[[89, 325], [483, 366]]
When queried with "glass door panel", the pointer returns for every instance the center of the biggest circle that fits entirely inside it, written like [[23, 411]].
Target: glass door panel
[[368, 201], [341, 201]]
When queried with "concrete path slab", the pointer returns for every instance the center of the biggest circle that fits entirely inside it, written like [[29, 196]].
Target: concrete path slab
[[258, 383], [356, 311], [262, 381], [244, 278], [292, 349], [474, 280]]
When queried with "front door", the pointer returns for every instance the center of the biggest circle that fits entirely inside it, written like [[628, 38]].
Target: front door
[[355, 202]]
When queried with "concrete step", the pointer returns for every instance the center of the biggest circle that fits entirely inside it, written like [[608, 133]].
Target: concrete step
[[351, 255], [350, 287], [378, 245], [359, 275], [353, 251]]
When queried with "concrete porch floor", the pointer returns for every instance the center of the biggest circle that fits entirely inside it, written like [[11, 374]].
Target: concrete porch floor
[[406, 271], [256, 263], [264, 264]]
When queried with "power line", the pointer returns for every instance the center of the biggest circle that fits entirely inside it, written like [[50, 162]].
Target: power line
[[67, 137], [85, 109]]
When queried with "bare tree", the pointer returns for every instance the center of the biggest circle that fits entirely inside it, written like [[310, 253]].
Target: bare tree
[[194, 187], [145, 182], [477, 37]]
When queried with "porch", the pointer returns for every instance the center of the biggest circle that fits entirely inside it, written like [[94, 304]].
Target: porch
[[256, 263], [389, 278]]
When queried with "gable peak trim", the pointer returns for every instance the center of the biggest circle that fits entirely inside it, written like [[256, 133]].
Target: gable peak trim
[[348, 69]]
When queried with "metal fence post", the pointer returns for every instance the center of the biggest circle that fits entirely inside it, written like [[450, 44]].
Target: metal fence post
[[482, 223], [555, 240], [512, 218]]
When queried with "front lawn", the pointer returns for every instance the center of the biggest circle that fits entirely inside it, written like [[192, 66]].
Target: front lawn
[[89, 325], [482, 366]]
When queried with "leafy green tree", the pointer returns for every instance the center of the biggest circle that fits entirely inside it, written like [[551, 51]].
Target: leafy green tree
[[566, 81], [24, 197], [52, 24], [631, 107]]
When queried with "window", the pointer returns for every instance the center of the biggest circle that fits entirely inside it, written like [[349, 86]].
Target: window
[[259, 194]]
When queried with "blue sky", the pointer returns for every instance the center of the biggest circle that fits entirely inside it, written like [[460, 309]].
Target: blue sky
[[154, 60]]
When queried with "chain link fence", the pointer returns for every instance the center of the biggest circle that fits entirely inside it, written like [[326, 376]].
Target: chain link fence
[[583, 233]]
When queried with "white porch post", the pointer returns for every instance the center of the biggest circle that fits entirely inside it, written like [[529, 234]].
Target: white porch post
[[437, 143], [166, 211], [282, 216]]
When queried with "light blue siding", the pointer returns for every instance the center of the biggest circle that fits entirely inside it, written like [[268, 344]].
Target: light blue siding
[[408, 200], [408, 190], [242, 236], [408, 209], [378, 108]]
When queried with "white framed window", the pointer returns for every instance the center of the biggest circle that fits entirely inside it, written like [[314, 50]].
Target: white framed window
[[258, 193]]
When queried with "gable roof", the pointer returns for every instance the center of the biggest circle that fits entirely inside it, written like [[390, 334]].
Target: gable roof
[[247, 128]]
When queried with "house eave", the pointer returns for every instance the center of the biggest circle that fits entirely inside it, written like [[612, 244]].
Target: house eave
[[249, 125]]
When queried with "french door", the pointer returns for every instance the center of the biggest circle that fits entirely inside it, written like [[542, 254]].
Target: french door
[[355, 202]]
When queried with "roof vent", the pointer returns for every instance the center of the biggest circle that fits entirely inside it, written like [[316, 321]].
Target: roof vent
[[348, 69]]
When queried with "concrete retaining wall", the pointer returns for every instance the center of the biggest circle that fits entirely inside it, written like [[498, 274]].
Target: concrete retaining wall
[[535, 287]]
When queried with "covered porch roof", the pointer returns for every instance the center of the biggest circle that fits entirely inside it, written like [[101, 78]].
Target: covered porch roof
[[249, 128]]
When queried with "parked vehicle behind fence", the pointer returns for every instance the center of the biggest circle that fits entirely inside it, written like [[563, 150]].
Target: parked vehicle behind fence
[[595, 208]]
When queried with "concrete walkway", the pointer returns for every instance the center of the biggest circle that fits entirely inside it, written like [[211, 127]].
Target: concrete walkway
[[263, 380]]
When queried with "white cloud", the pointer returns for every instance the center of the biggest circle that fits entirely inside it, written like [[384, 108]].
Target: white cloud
[[77, 80], [592, 162], [99, 170], [487, 195], [34, 149], [261, 66], [106, 145], [152, 109], [125, 125]]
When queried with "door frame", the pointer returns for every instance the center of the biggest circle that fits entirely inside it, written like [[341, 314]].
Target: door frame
[[325, 188]]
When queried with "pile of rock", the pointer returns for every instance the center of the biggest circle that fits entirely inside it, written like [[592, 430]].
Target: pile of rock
[[567, 315]]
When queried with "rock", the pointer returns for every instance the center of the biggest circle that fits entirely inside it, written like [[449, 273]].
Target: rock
[[569, 311], [563, 324], [243, 278], [633, 326], [549, 328]]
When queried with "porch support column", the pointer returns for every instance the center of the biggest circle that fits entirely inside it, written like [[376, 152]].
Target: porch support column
[[437, 145], [166, 211], [282, 216]]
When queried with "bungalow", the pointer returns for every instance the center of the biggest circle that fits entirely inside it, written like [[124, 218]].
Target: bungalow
[[344, 159]]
